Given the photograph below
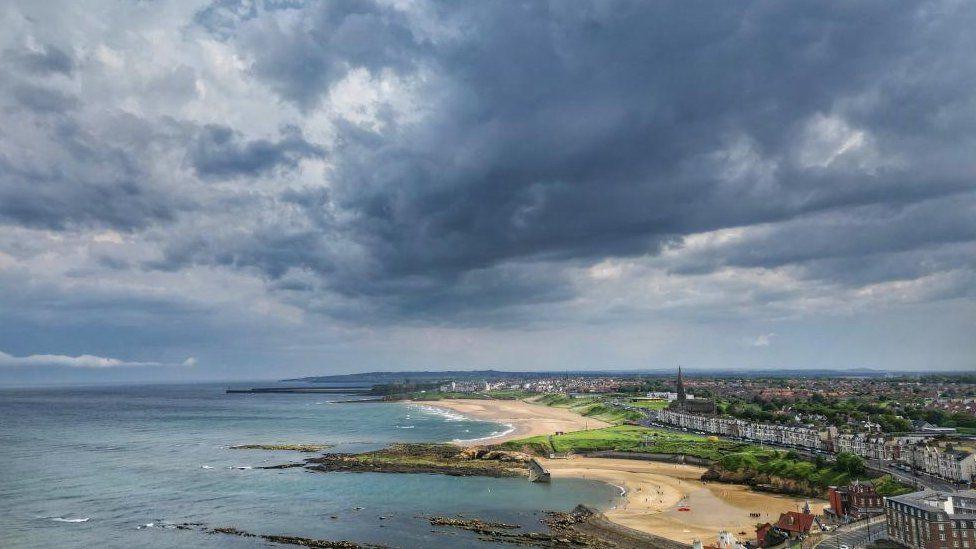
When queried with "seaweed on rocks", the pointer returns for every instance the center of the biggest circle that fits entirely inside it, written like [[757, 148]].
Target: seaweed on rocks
[[304, 448], [561, 531], [295, 540]]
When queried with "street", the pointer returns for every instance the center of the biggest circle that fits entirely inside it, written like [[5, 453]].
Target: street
[[855, 536]]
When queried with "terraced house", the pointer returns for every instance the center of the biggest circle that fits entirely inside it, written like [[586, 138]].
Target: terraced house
[[955, 464], [784, 435]]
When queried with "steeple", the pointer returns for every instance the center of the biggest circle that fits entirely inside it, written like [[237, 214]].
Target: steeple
[[681, 387]]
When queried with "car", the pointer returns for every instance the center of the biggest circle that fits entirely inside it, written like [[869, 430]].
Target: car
[[844, 547]]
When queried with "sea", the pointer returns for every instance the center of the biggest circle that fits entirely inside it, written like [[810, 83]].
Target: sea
[[119, 466]]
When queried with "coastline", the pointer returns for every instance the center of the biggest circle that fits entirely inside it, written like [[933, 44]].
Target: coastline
[[654, 492], [521, 419]]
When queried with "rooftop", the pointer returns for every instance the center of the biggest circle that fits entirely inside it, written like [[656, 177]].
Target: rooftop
[[961, 504]]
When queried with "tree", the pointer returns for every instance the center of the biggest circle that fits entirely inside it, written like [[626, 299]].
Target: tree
[[849, 463]]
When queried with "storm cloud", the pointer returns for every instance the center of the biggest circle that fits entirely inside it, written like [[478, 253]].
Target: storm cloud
[[501, 165]]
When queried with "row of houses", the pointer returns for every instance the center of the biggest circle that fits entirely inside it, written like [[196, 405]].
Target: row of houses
[[917, 451], [783, 435]]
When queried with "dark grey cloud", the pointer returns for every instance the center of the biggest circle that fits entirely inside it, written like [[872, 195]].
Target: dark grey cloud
[[42, 99], [220, 152], [541, 138], [65, 174], [868, 240], [307, 49], [45, 61], [575, 132]]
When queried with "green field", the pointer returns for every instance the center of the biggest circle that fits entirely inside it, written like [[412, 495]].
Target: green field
[[649, 404], [629, 438], [593, 407], [737, 457]]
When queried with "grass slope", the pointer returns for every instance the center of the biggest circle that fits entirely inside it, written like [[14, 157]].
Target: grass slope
[[629, 438], [587, 406]]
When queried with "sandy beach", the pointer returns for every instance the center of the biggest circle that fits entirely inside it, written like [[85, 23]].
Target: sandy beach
[[655, 491], [526, 419]]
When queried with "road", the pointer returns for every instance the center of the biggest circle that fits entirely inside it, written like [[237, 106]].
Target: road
[[922, 479], [855, 535]]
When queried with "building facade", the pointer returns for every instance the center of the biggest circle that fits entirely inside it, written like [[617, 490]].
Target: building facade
[[932, 520], [783, 435], [855, 501]]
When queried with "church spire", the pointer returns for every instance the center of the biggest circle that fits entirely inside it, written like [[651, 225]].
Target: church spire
[[681, 386]]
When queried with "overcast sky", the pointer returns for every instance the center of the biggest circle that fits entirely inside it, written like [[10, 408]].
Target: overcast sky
[[215, 190]]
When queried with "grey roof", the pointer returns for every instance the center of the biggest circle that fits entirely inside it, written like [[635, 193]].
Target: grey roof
[[920, 500]]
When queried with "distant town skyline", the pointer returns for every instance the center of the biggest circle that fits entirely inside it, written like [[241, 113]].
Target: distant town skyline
[[213, 190]]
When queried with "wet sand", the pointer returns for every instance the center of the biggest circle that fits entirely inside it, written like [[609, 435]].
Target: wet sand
[[655, 491], [525, 419]]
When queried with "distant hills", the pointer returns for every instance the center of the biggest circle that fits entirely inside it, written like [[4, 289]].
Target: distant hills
[[488, 375]]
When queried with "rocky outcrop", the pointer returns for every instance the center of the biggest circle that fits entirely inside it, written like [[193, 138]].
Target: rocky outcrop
[[444, 459], [284, 540], [306, 448], [562, 531]]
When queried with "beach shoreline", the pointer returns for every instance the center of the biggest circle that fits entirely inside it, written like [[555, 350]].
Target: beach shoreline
[[654, 494], [521, 419], [664, 499]]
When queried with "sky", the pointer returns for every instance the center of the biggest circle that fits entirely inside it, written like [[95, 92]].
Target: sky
[[196, 190]]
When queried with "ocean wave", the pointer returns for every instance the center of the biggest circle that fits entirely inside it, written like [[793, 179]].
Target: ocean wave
[[161, 523], [70, 520], [405, 426], [206, 467], [241, 467], [449, 415], [495, 434]]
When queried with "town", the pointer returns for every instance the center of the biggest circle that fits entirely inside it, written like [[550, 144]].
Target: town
[[912, 438]]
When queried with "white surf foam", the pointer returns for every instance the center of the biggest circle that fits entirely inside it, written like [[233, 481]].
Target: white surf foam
[[509, 428], [449, 415], [71, 520]]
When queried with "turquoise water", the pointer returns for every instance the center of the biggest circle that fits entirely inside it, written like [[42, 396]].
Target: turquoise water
[[92, 467]]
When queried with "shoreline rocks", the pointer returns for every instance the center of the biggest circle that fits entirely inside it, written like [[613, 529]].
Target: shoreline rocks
[[305, 448], [444, 459]]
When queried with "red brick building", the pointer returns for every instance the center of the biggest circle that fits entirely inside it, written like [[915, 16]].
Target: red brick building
[[795, 524], [932, 520], [856, 500]]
